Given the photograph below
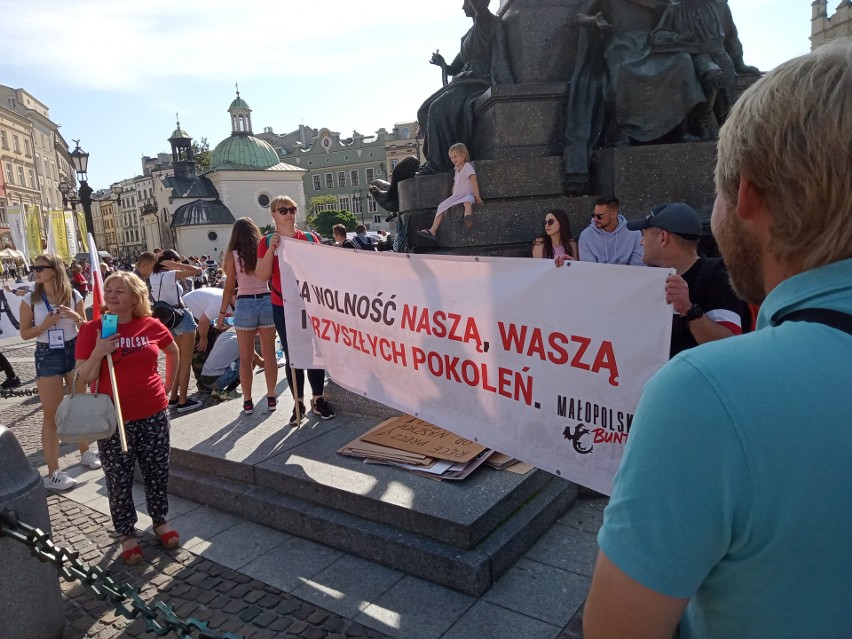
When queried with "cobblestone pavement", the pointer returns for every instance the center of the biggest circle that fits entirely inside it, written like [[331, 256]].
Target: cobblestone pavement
[[228, 600]]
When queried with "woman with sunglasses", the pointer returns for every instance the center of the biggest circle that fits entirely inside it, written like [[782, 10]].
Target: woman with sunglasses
[[52, 314], [283, 210], [557, 238], [253, 312], [164, 286]]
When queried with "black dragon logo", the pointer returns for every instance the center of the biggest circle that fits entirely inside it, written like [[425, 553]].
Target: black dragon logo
[[575, 437]]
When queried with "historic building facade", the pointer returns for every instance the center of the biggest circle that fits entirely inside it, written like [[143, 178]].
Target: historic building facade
[[825, 28]]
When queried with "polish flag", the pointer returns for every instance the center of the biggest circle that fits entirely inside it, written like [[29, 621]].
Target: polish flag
[[97, 279]]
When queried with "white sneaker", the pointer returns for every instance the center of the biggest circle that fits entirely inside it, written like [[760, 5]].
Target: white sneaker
[[91, 458], [59, 480]]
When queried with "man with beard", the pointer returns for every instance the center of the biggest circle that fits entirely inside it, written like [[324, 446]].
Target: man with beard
[[724, 519], [705, 307]]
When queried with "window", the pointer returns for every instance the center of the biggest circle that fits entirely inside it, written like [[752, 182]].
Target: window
[[356, 204], [370, 174], [343, 203], [212, 236], [16, 144], [263, 200], [377, 219], [371, 204], [9, 179], [3, 140], [21, 176], [317, 183], [11, 102], [32, 179], [406, 133], [393, 164], [27, 148], [341, 179], [353, 177], [329, 181]]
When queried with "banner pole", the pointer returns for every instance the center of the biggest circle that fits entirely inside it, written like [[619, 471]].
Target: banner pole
[[121, 434], [296, 402]]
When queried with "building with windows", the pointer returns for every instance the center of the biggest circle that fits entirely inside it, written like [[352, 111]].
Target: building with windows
[[825, 28], [245, 174], [401, 143]]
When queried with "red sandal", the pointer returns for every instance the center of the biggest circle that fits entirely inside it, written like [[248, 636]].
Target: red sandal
[[169, 539], [132, 556]]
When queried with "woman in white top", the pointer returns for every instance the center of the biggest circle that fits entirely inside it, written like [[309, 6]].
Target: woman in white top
[[164, 286], [51, 315]]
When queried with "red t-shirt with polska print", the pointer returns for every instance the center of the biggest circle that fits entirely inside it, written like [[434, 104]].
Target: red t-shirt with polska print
[[140, 387]]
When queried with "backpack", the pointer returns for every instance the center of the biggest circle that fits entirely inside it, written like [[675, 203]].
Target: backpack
[[364, 245]]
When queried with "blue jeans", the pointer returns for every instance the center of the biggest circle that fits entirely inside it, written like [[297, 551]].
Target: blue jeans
[[253, 312], [51, 362]]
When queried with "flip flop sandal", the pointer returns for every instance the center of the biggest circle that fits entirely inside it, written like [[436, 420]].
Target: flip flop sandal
[[169, 539], [428, 235], [468, 221], [132, 556]]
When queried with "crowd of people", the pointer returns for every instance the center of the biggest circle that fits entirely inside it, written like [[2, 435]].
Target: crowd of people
[[735, 532]]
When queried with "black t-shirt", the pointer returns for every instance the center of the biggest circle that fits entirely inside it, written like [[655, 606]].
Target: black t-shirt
[[710, 288], [347, 244]]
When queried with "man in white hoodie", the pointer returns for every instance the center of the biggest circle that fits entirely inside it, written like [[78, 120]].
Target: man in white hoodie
[[607, 239]]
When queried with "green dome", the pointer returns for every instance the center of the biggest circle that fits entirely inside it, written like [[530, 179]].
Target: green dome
[[243, 153], [178, 134], [238, 103]]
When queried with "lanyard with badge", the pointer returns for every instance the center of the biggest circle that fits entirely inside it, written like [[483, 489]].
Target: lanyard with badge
[[55, 336]]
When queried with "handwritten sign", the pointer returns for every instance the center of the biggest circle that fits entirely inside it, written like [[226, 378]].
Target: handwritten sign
[[417, 436]]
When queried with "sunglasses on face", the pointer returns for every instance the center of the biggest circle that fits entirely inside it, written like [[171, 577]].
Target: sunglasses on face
[[38, 268], [284, 210], [600, 216], [550, 222]]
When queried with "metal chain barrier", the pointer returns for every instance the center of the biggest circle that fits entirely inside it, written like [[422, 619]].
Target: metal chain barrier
[[159, 618], [24, 392]]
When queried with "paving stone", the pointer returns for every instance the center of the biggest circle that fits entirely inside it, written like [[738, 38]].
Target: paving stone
[[250, 613]]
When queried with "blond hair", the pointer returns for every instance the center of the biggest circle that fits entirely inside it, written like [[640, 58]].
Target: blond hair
[[281, 199], [461, 148], [137, 289], [791, 135], [61, 283]]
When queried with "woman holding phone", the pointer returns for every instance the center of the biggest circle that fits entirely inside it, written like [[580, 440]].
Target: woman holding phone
[[144, 403], [51, 315]]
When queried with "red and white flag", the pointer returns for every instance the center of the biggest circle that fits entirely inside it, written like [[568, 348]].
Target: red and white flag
[[97, 279]]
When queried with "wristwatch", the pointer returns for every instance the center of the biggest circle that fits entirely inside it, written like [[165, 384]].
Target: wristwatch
[[694, 313]]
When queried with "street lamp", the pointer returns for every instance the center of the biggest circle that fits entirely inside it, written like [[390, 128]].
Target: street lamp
[[80, 159], [64, 188], [359, 197]]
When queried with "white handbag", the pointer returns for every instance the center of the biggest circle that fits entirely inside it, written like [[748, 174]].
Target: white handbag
[[85, 417]]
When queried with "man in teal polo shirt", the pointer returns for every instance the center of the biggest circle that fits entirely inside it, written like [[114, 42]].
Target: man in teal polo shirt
[[729, 516]]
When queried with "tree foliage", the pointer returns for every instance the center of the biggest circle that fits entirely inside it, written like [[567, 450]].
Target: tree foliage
[[323, 221], [320, 202], [201, 153]]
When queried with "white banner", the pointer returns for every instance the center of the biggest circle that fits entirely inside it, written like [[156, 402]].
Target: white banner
[[543, 364], [71, 234], [10, 314], [18, 229]]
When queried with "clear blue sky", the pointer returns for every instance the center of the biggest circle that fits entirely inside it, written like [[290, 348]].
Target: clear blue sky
[[113, 73]]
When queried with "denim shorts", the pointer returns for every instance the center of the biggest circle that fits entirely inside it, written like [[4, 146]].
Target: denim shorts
[[253, 312], [186, 325], [51, 362]]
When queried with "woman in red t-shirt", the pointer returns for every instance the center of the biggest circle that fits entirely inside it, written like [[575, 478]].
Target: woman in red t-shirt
[[283, 210], [78, 281], [144, 404]]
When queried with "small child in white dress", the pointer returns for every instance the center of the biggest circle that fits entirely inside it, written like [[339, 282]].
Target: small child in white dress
[[465, 191]]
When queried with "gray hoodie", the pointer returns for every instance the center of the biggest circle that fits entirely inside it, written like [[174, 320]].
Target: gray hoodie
[[621, 246]]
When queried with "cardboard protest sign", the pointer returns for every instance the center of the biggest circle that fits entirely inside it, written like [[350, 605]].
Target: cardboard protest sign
[[409, 433], [542, 363]]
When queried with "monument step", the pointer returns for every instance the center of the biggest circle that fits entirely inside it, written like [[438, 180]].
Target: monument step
[[461, 534], [472, 571]]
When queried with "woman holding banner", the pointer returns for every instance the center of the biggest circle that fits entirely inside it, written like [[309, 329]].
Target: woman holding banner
[[144, 406], [52, 315], [283, 210]]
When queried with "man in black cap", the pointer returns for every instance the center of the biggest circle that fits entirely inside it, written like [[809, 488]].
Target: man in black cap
[[705, 307]]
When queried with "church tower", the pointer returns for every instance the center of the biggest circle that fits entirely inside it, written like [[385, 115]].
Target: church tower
[[240, 116], [182, 156]]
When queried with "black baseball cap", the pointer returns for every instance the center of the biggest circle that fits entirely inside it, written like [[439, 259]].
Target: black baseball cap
[[675, 217]]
